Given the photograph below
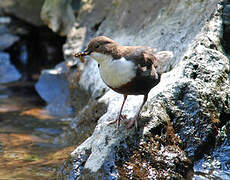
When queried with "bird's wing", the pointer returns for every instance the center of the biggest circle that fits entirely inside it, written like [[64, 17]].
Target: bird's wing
[[142, 56], [148, 59], [163, 58], [144, 59]]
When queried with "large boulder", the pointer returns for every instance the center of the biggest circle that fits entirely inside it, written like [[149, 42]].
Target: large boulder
[[184, 112]]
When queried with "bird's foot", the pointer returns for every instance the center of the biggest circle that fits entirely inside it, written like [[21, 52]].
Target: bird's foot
[[131, 122], [119, 118]]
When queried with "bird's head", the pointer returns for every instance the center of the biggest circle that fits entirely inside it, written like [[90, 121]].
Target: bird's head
[[100, 44], [100, 48]]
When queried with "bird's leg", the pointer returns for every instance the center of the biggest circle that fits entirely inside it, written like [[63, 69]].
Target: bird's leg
[[120, 115], [134, 120]]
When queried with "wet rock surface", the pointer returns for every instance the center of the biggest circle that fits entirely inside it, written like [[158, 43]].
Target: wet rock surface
[[8, 72], [181, 121], [215, 164], [7, 40], [53, 87]]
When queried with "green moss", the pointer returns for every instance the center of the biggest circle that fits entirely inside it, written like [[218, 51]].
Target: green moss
[[116, 3], [190, 2], [31, 157]]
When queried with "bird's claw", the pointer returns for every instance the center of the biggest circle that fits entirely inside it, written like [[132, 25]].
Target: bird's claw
[[120, 117], [123, 117], [131, 122]]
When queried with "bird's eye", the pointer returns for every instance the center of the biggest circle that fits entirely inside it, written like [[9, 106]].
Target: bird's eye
[[97, 46]]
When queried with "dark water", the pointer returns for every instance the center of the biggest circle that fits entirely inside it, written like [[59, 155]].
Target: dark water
[[33, 144]]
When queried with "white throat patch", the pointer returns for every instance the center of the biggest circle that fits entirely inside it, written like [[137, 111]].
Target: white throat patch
[[115, 73]]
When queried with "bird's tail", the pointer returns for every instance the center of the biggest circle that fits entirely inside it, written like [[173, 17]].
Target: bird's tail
[[163, 59]]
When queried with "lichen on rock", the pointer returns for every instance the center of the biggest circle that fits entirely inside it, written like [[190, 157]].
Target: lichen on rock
[[58, 15]]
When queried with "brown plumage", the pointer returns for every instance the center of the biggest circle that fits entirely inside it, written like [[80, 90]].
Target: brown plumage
[[129, 70]]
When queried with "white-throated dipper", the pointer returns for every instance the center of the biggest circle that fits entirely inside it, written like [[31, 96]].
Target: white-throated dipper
[[128, 70]]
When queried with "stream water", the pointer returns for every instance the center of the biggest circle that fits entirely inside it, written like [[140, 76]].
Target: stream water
[[33, 144]]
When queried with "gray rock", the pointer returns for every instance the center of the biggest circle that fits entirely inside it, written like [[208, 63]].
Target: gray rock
[[53, 88], [179, 121], [3, 29], [24, 9], [8, 72], [5, 20], [58, 15], [7, 40]]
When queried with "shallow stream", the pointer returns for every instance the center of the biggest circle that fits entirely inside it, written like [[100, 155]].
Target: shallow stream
[[33, 144]]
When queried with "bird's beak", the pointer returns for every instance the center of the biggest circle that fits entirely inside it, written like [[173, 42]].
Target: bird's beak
[[84, 53], [80, 55]]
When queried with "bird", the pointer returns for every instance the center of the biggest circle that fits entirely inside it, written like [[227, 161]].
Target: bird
[[128, 70]]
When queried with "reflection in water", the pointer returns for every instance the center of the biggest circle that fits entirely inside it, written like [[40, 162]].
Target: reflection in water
[[38, 113], [33, 144]]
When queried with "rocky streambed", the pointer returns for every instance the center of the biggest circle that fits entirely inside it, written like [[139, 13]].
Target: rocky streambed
[[33, 143]]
